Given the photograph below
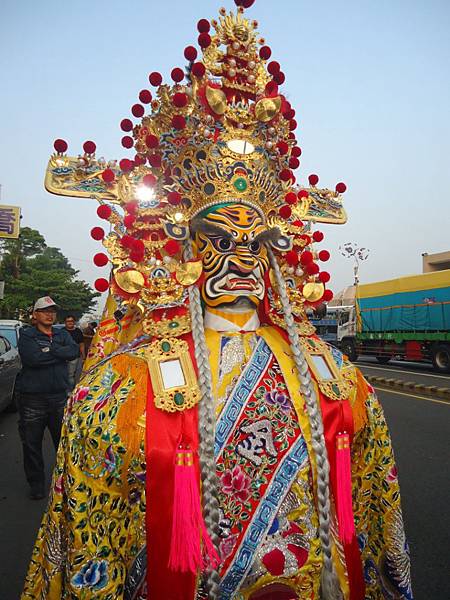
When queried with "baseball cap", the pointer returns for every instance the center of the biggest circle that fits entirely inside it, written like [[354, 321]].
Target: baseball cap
[[44, 302]]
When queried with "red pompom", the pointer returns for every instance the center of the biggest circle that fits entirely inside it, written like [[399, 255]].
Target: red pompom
[[138, 246], [279, 77], [108, 176], [97, 233], [289, 114], [283, 148], [324, 255], [273, 67], [138, 110], [126, 165], [101, 285], [172, 247], [100, 259], [292, 258], [155, 78], [265, 52], [285, 174], [127, 141], [271, 88], [324, 277], [198, 69], [312, 268], [294, 163], [178, 122], [292, 124], [89, 147], [317, 236], [174, 198], [204, 40], [313, 179], [104, 211], [131, 207], [302, 194], [327, 295], [290, 198], [152, 141], [190, 53], [298, 223], [203, 26], [126, 125], [137, 256], [341, 187], [285, 211], [126, 241], [155, 160], [296, 151], [179, 100], [60, 145], [139, 160], [129, 220], [306, 257], [145, 96], [149, 180], [177, 74]]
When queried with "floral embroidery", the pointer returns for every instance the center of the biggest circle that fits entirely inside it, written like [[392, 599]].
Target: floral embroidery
[[92, 575], [237, 483]]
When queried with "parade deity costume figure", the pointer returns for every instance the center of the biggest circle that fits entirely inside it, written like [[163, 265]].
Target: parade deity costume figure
[[215, 447]]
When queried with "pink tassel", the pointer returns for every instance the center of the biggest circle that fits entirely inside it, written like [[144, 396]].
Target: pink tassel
[[344, 488], [191, 548]]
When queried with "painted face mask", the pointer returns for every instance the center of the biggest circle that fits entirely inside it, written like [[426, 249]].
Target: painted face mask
[[230, 242]]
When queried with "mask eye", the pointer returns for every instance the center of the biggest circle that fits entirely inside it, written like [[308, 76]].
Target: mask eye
[[224, 244], [254, 246]]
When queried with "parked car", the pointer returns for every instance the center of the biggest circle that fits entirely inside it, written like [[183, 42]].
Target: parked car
[[10, 329], [9, 368]]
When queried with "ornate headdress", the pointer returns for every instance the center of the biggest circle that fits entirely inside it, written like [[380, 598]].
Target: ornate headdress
[[222, 131]]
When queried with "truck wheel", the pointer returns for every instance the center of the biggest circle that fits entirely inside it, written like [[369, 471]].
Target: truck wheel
[[441, 358], [348, 348], [383, 360]]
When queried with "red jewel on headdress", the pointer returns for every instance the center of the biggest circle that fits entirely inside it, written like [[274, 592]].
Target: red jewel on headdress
[[178, 122], [89, 147], [177, 75], [285, 211], [104, 211], [285, 174], [145, 96], [290, 198], [279, 77], [203, 26], [317, 236], [327, 295], [126, 125], [341, 187], [101, 285], [108, 176], [127, 141], [138, 110], [97, 233], [60, 145], [152, 141], [139, 160], [271, 88], [198, 69], [302, 194], [324, 277], [179, 100], [190, 53], [155, 78], [100, 259], [265, 52], [129, 220], [174, 198], [282, 147], [324, 255], [292, 124], [126, 165], [204, 40], [313, 179]]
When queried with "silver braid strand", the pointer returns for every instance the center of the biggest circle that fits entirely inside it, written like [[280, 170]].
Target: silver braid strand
[[206, 423], [330, 589]]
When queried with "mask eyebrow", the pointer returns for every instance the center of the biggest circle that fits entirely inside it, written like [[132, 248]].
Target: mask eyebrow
[[202, 226], [270, 235]]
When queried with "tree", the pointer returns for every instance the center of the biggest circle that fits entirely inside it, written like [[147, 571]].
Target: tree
[[31, 269]]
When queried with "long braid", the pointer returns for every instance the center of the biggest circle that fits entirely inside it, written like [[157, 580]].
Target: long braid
[[206, 423], [329, 583]]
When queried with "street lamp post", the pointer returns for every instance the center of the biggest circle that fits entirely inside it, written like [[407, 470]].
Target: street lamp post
[[352, 250]]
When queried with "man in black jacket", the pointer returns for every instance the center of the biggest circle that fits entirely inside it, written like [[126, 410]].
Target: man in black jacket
[[42, 386]]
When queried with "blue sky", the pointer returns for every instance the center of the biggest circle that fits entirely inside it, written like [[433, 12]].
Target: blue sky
[[370, 81]]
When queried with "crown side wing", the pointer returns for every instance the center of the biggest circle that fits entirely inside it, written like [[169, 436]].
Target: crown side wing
[[321, 206]]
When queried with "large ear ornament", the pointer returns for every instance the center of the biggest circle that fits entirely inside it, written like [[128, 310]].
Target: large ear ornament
[[176, 232], [281, 242]]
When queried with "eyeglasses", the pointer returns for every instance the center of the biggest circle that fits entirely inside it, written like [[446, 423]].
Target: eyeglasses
[[46, 310]]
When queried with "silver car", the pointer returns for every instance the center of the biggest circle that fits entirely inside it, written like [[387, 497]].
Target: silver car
[[9, 368]]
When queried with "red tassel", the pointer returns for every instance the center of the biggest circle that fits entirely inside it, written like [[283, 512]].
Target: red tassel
[[344, 488], [191, 548]]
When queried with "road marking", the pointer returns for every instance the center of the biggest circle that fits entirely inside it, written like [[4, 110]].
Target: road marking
[[366, 366], [411, 395]]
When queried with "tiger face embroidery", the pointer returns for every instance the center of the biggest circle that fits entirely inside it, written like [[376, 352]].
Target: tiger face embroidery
[[230, 242]]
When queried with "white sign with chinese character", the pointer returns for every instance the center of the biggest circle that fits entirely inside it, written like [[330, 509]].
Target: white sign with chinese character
[[9, 221]]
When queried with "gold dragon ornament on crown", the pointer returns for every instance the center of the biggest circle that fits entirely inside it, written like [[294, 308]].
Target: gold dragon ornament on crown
[[222, 131]]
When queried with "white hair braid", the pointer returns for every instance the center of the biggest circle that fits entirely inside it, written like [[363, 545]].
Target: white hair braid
[[206, 424], [330, 589]]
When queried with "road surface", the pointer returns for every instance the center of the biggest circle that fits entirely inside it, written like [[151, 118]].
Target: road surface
[[420, 430]]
